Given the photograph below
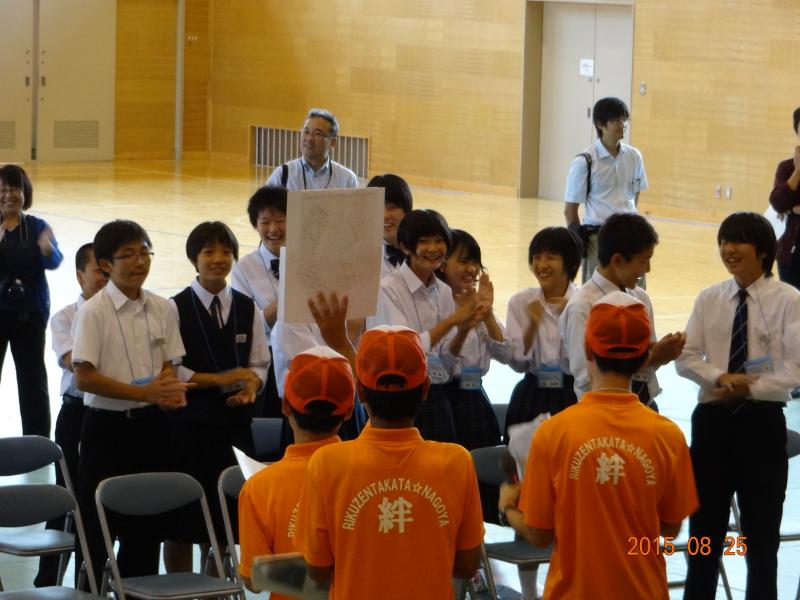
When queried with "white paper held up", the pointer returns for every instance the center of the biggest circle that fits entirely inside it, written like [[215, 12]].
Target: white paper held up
[[249, 466]]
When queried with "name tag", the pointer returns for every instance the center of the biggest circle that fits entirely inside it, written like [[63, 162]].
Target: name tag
[[231, 388], [436, 370], [758, 366], [548, 376], [241, 338], [641, 376], [470, 379]]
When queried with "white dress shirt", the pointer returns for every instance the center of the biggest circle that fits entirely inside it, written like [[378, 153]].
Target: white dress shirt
[[547, 347], [61, 330], [572, 327], [289, 340], [125, 340], [615, 182], [773, 329], [253, 277], [330, 176], [259, 358], [478, 351], [405, 300]]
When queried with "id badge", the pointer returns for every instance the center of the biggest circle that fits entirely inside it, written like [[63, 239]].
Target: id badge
[[641, 376], [758, 366], [436, 370], [232, 387], [549, 377], [470, 379], [142, 380]]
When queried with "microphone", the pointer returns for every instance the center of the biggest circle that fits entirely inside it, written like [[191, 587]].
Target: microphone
[[508, 466]]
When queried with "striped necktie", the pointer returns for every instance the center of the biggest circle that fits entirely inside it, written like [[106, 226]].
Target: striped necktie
[[738, 353], [216, 311]]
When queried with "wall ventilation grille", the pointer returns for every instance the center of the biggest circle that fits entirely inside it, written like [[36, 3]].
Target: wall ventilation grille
[[77, 134], [8, 135]]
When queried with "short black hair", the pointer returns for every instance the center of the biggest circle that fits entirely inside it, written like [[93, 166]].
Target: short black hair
[[472, 251], [627, 234], [266, 197], [420, 223], [319, 419], [751, 228], [608, 109], [82, 256], [397, 191], [207, 233], [321, 113], [112, 236], [394, 405], [15, 176], [621, 366], [561, 241], [796, 118]]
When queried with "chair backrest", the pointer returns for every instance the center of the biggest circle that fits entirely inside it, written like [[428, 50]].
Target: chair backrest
[[487, 464], [27, 453], [231, 481], [266, 435], [144, 494], [229, 485], [792, 443], [28, 504]]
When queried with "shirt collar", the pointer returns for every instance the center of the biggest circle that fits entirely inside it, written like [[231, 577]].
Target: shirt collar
[[118, 299], [265, 253], [602, 151], [206, 297], [605, 285], [306, 450], [81, 301], [610, 397], [325, 166], [406, 434], [412, 281], [751, 289], [539, 295]]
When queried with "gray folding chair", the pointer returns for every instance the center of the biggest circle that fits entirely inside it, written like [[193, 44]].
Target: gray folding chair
[[267, 433], [518, 552], [29, 504], [229, 486], [23, 454], [148, 494]]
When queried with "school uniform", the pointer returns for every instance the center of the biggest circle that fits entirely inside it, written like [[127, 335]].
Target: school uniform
[[128, 341], [392, 259], [474, 419], [203, 432], [256, 276], [546, 356], [68, 425], [740, 445], [572, 327], [405, 300]]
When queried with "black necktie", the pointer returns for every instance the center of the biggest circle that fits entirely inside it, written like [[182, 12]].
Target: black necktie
[[738, 352], [216, 311], [275, 267], [394, 255]]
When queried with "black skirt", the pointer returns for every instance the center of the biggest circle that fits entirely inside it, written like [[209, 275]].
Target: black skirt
[[528, 400], [435, 417], [475, 422]]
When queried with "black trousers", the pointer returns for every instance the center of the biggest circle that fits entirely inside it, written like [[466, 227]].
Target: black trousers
[[68, 436], [26, 338], [790, 274], [112, 445], [743, 452]]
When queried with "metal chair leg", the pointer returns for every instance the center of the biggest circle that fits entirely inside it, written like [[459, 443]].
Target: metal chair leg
[[725, 583], [487, 571]]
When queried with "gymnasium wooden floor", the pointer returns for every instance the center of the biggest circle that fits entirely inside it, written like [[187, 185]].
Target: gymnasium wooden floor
[[169, 199]]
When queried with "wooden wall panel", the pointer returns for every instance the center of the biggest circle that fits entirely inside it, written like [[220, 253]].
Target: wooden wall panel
[[719, 100], [145, 90], [435, 85], [196, 76]]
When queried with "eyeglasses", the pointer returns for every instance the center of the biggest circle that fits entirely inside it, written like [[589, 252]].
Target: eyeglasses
[[317, 134], [146, 256]]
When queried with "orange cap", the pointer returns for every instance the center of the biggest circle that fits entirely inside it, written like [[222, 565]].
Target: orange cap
[[618, 327], [391, 350], [320, 375]]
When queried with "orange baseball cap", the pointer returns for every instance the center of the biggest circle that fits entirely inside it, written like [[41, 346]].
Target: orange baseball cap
[[320, 375], [391, 350], [618, 327]]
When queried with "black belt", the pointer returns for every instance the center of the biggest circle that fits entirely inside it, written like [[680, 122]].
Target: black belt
[[735, 405], [132, 413], [70, 400]]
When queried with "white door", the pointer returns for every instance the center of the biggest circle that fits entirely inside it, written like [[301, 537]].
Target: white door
[[16, 73], [77, 42], [597, 39]]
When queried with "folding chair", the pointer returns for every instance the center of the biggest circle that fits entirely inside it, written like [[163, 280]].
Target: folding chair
[[518, 552], [23, 454], [148, 494], [229, 486], [267, 433], [28, 504]]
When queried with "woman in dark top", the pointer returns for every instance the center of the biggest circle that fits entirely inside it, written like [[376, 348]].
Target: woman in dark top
[[27, 248], [785, 199]]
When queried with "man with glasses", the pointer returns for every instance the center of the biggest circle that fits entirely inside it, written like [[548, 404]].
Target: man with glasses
[[315, 170], [607, 176]]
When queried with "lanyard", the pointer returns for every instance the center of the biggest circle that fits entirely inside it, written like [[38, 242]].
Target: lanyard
[[330, 174], [205, 335], [539, 344], [436, 300], [125, 344]]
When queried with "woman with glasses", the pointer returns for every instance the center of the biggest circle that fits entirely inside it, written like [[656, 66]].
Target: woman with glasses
[[27, 248]]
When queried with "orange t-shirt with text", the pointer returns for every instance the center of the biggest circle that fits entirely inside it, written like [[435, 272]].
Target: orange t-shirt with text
[[599, 473], [268, 506], [389, 510]]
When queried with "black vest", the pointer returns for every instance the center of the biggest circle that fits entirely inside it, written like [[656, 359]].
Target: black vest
[[210, 349]]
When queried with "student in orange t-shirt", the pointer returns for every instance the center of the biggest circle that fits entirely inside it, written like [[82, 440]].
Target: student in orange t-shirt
[[318, 397], [607, 476], [390, 515]]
